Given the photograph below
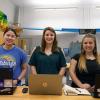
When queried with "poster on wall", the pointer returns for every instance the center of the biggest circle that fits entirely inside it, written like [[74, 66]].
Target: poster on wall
[[3, 21]]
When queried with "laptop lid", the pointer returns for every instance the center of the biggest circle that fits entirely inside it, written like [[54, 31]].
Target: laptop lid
[[45, 84], [6, 81]]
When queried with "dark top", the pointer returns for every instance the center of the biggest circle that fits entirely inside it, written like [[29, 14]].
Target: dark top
[[47, 64], [89, 76]]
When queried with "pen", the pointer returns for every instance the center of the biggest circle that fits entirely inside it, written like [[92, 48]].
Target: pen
[[78, 90]]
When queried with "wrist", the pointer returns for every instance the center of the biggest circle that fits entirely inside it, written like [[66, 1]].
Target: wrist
[[18, 81]]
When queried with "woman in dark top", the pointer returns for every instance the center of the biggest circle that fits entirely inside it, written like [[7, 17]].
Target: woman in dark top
[[84, 66], [48, 58]]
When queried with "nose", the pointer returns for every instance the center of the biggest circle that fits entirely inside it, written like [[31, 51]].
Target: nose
[[10, 37], [49, 36]]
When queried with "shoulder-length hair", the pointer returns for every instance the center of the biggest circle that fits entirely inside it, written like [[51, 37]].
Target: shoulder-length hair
[[43, 43], [82, 59]]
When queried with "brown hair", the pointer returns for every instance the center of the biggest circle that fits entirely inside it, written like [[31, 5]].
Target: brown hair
[[43, 43], [10, 29]]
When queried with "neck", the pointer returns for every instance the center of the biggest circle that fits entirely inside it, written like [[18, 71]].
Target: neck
[[8, 47], [90, 56], [48, 46], [89, 53]]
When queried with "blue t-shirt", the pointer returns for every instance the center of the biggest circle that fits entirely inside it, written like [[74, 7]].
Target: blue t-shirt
[[13, 58]]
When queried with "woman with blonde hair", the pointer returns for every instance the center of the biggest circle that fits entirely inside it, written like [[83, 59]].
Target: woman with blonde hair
[[84, 66]]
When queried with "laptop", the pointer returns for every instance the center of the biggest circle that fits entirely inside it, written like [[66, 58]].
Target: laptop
[[6, 81], [45, 84], [97, 86]]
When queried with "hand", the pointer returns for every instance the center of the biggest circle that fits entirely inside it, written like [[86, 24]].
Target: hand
[[91, 89], [85, 86], [14, 82]]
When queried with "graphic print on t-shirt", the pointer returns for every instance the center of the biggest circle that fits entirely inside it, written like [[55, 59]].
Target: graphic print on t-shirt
[[7, 61]]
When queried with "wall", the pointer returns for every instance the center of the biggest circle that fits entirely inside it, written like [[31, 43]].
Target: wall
[[73, 16], [8, 8], [58, 18], [64, 40]]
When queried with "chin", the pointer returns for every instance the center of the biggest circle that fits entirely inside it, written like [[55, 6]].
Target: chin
[[49, 42], [9, 44]]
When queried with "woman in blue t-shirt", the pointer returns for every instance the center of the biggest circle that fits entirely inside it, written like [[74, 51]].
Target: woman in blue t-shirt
[[12, 56], [48, 58], [84, 66]]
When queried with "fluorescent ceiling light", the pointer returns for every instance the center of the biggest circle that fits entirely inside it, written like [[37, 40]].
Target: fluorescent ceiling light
[[52, 2]]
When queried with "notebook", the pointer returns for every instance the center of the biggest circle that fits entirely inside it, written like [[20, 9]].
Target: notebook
[[97, 86], [6, 81], [68, 90], [45, 84]]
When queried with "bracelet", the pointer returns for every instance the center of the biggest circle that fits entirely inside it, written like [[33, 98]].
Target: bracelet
[[18, 81]]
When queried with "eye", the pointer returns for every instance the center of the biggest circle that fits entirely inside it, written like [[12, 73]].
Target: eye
[[85, 43], [52, 34], [12, 36], [46, 34], [90, 42]]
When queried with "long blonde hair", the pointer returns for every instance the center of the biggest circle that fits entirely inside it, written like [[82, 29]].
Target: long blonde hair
[[82, 59]]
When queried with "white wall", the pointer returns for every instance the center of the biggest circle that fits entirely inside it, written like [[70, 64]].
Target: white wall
[[8, 8], [84, 15], [57, 18], [75, 16], [95, 16]]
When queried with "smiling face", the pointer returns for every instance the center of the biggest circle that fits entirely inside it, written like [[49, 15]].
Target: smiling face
[[9, 38], [49, 37], [88, 44]]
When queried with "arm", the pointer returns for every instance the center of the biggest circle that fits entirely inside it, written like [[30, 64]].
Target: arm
[[33, 69], [23, 73], [32, 62], [62, 71], [62, 63], [74, 77]]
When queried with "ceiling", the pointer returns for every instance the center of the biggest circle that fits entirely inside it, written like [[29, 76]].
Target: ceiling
[[52, 2]]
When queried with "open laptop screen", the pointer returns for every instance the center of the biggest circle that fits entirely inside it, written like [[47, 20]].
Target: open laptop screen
[[6, 81], [6, 73]]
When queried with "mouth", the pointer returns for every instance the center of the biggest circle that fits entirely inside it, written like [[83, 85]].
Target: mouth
[[9, 41]]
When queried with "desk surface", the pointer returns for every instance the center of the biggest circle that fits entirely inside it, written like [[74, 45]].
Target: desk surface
[[18, 95]]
